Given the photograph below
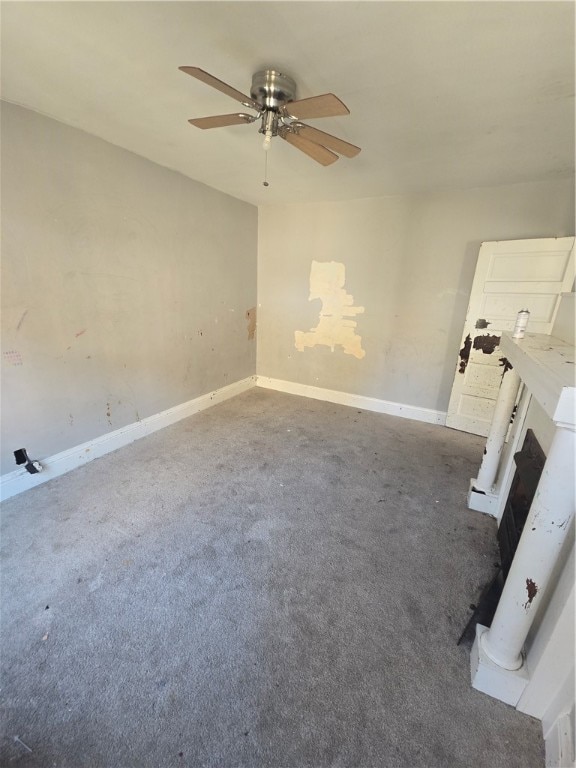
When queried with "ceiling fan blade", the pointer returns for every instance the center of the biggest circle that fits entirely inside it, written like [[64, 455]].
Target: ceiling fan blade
[[209, 79], [219, 121], [315, 151], [326, 105], [327, 140]]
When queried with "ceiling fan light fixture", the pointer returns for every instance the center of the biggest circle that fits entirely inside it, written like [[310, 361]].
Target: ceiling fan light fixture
[[269, 127]]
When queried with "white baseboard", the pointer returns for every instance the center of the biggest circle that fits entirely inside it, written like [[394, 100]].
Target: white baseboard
[[20, 480], [357, 401], [559, 744]]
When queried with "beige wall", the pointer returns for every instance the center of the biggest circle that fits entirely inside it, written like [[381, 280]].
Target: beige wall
[[125, 287], [409, 262]]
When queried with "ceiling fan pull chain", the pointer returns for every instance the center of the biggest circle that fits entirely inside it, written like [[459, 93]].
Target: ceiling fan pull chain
[[265, 182]]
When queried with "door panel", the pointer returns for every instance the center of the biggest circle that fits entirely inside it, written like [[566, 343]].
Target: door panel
[[528, 265], [510, 276]]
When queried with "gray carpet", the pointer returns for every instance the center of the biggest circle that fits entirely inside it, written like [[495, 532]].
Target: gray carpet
[[273, 582]]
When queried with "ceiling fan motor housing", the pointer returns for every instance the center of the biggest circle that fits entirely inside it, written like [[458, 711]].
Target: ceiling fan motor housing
[[271, 89]]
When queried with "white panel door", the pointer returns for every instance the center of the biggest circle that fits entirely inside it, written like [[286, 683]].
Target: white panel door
[[510, 275]]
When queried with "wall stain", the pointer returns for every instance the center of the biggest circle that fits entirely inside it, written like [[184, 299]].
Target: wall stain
[[71, 419], [481, 323], [108, 413], [465, 354], [251, 318], [486, 343], [532, 590], [80, 332]]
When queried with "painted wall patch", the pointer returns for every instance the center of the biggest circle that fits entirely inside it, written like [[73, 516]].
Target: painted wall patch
[[335, 328]]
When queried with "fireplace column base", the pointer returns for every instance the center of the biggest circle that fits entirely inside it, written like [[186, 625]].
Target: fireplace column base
[[488, 677], [482, 501]]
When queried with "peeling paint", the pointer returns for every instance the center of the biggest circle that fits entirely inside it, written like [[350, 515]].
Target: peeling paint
[[481, 323], [486, 343], [251, 318], [334, 329], [465, 354], [504, 363], [532, 590]]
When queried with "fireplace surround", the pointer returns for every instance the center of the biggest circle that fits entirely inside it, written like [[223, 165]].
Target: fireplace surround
[[545, 367]]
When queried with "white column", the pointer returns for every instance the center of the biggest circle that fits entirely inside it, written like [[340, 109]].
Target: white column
[[544, 534], [498, 430]]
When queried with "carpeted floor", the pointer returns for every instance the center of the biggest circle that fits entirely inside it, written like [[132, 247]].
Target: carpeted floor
[[276, 582]]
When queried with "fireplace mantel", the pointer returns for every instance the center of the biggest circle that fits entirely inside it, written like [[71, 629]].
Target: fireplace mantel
[[547, 367]]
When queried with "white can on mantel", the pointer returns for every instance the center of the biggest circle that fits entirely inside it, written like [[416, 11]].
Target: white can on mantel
[[521, 323]]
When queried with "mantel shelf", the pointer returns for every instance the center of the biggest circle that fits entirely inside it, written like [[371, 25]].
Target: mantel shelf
[[547, 366]]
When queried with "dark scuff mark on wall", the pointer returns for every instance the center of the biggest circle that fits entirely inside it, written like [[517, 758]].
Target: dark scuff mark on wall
[[251, 317], [532, 591], [465, 354], [486, 343], [80, 332], [108, 413], [21, 319], [481, 323]]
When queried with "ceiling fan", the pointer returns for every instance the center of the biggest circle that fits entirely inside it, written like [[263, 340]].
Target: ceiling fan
[[272, 97]]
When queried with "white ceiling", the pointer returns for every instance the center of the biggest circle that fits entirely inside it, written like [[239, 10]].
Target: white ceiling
[[441, 94]]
